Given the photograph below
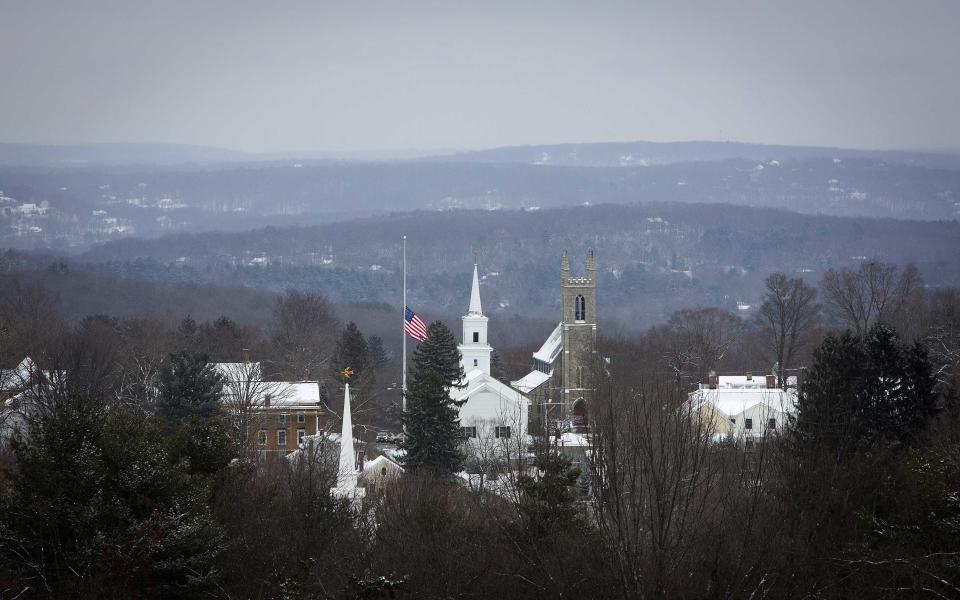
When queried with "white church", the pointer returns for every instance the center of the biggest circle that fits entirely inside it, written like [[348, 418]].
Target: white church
[[494, 417]]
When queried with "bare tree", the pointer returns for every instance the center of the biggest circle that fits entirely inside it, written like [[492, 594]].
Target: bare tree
[[874, 292], [698, 340], [304, 333], [678, 509], [787, 312]]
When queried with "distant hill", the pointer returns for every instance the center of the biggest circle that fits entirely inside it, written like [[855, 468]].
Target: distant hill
[[72, 208], [632, 154], [653, 258]]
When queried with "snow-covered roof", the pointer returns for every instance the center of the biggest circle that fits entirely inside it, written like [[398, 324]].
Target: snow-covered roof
[[477, 380], [531, 381], [574, 440], [551, 348], [734, 401], [378, 463], [17, 377], [290, 394]]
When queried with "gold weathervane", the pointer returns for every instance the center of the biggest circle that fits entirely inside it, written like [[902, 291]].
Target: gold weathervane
[[347, 373]]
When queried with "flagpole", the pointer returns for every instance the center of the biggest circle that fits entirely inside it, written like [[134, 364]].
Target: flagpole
[[403, 329]]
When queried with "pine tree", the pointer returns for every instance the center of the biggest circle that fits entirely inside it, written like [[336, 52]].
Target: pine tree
[[352, 352], [378, 354], [432, 420], [497, 370], [864, 392], [188, 386]]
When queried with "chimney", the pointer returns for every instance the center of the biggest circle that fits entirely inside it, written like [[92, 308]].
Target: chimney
[[246, 355], [306, 374], [713, 380], [771, 382], [749, 376]]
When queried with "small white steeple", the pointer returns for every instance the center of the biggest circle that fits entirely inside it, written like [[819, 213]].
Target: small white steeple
[[474, 351], [347, 468]]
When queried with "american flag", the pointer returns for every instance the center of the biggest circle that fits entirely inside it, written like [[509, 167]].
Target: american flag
[[414, 325]]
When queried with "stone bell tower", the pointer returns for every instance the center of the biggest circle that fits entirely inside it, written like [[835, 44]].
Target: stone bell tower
[[579, 336]]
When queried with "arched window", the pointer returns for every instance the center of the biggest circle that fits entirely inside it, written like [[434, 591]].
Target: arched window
[[580, 309]]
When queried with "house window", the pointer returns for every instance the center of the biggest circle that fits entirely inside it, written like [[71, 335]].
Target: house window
[[476, 336], [282, 438], [301, 418], [502, 432], [281, 419], [475, 362], [771, 423], [301, 433], [748, 423], [580, 309], [733, 420], [262, 437], [468, 432]]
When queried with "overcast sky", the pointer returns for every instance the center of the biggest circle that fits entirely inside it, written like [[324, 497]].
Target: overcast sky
[[404, 74]]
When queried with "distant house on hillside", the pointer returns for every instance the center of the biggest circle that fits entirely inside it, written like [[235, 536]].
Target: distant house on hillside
[[743, 407]]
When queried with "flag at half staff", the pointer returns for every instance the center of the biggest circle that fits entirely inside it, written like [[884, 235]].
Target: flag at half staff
[[414, 325]]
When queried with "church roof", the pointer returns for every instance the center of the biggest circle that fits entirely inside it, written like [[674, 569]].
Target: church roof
[[531, 381], [551, 348], [476, 380]]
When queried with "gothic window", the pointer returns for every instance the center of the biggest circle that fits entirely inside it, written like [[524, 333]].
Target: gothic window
[[580, 377], [580, 309]]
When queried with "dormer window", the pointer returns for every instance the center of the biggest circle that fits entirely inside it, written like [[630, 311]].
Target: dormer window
[[580, 308]]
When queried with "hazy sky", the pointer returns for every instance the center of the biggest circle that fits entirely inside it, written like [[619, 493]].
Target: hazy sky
[[370, 75]]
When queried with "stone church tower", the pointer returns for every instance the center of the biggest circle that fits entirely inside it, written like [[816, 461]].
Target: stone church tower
[[579, 334]]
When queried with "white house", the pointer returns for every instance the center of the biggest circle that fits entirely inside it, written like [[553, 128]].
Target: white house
[[743, 406], [493, 417]]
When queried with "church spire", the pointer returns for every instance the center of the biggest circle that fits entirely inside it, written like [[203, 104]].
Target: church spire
[[475, 308], [347, 469]]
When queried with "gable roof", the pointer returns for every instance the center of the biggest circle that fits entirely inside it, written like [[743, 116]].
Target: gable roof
[[531, 381], [551, 348], [477, 381]]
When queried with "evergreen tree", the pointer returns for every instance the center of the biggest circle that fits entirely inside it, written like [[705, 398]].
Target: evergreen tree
[[432, 420], [188, 386], [97, 502], [862, 392], [497, 370], [547, 500], [352, 351], [378, 354]]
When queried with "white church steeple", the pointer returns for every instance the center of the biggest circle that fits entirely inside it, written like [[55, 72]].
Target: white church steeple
[[346, 468], [474, 351]]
